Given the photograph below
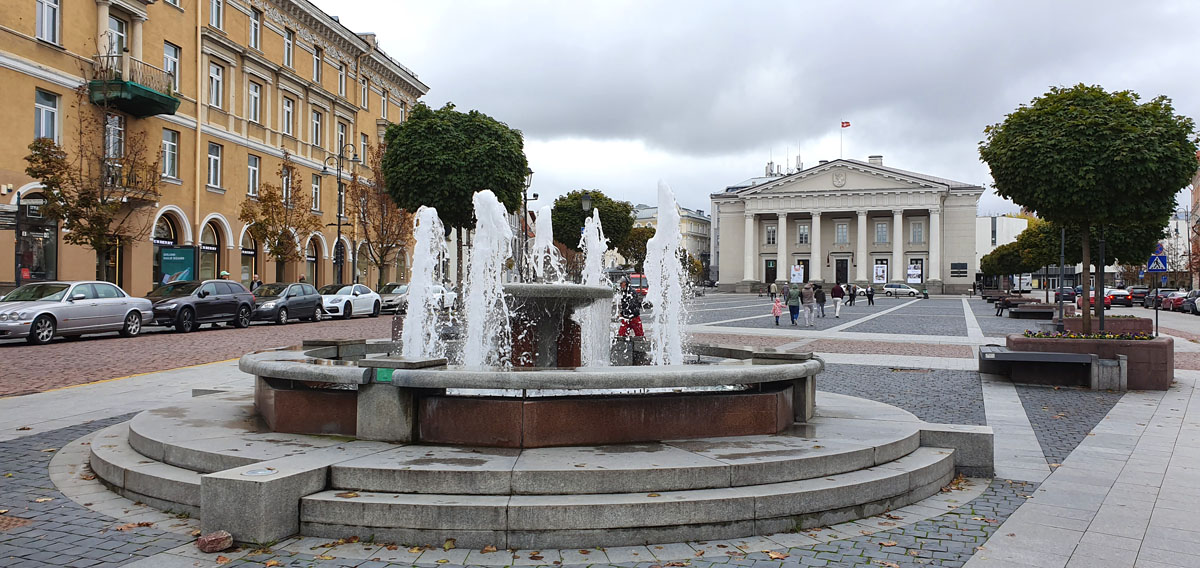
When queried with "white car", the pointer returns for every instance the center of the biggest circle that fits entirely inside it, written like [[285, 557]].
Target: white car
[[345, 300], [395, 297], [899, 290]]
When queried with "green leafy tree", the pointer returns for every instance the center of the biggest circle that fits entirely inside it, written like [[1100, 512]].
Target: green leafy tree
[[280, 215], [1083, 157], [633, 248], [616, 217], [1004, 260], [440, 158]]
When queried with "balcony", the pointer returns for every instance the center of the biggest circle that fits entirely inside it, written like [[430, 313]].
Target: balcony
[[131, 86]]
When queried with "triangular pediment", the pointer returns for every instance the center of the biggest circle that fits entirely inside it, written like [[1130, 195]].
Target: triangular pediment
[[842, 175]]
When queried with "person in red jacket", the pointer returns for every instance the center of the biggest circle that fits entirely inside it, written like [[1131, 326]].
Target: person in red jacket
[[839, 296]]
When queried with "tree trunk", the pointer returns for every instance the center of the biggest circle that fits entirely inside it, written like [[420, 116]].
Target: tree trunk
[[459, 269], [1085, 293]]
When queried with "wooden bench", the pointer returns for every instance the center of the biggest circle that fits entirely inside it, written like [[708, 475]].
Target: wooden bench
[[1053, 368], [1032, 312]]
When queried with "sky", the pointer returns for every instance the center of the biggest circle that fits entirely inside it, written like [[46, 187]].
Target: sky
[[617, 94]]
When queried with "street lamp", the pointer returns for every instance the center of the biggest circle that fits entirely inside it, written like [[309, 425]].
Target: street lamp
[[586, 202], [525, 223], [340, 260]]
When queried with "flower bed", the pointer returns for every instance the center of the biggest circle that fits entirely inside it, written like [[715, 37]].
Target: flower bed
[[1151, 361], [1113, 324], [1079, 335]]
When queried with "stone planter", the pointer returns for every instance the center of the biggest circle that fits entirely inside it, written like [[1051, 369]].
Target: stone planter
[[1151, 362], [1112, 325]]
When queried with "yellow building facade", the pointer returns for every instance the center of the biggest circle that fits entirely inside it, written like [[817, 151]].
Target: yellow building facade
[[221, 88]]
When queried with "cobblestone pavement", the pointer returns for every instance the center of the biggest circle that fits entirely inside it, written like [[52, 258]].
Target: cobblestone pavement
[[934, 395], [1062, 417], [61, 532], [926, 317], [996, 326], [888, 348], [65, 363]]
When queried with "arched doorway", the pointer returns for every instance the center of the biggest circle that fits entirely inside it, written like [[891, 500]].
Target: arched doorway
[[249, 258], [37, 243], [166, 234], [210, 251], [311, 257]]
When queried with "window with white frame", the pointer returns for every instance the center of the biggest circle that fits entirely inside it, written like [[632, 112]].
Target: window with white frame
[[342, 79], [216, 13], [45, 115], [365, 143], [216, 84], [366, 90], [117, 32], [256, 29], [253, 167], [881, 232], [770, 235], [289, 46], [341, 136], [289, 108], [214, 164], [318, 57], [171, 57], [383, 104], [841, 233], [286, 187], [114, 136], [917, 229], [46, 20], [802, 234], [170, 153], [316, 192], [316, 129], [254, 103]]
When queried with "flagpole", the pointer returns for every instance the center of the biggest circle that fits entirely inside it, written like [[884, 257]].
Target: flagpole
[[841, 132]]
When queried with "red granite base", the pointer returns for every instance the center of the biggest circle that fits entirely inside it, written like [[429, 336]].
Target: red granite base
[[1151, 362]]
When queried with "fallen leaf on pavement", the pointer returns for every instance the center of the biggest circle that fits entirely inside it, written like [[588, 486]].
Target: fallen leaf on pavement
[[776, 555], [48, 450], [273, 563], [87, 477], [449, 544], [24, 428], [2, 511], [699, 553], [582, 551], [324, 557], [535, 557], [886, 524], [888, 564], [893, 517], [489, 549], [414, 550], [134, 525], [222, 560], [654, 495], [442, 561], [347, 495], [43, 499], [888, 543]]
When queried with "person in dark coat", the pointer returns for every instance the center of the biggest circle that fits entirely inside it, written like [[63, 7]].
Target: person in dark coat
[[870, 295], [839, 296], [631, 310]]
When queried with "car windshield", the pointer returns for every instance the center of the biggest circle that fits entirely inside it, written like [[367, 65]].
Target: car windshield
[[169, 290], [35, 292], [394, 289], [270, 290], [637, 281], [335, 290]]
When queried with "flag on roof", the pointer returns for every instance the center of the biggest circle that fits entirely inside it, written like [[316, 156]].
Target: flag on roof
[[845, 124]]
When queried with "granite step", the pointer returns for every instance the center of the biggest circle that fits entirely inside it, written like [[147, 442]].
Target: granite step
[[627, 518], [140, 478]]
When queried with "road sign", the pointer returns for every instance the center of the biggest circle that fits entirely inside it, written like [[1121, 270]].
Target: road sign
[[1141, 274], [1164, 280], [1158, 250], [1157, 263]]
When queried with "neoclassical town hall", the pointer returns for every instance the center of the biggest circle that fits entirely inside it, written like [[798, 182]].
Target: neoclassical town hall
[[846, 221]]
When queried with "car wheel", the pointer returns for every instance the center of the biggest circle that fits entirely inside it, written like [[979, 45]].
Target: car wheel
[[186, 321], [375, 310], [912, 294], [281, 316], [318, 313], [243, 317], [888, 293], [133, 325], [42, 330], [347, 311]]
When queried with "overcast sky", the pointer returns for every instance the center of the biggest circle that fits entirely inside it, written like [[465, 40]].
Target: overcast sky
[[617, 94]]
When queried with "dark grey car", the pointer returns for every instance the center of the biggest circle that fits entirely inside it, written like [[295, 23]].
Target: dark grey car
[[282, 301]]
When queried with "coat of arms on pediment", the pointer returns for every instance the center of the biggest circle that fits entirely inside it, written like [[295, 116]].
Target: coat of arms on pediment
[[839, 179]]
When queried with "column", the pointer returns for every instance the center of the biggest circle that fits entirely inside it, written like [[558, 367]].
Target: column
[[135, 37], [782, 260], [934, 270], [101, 26], [815, 257], [898, 268], [751, 249], [860, 273]]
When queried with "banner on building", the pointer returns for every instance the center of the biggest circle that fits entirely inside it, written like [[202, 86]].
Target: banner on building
[[797, 276], [176, 263], [880, 274], [914, 274]]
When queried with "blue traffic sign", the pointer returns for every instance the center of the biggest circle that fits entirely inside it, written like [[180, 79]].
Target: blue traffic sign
[[1164, 280], [1157, 263]]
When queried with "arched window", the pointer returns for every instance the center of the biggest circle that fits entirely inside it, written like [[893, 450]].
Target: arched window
[[364, 264], [310, 262], [249, 259], [166, 234], [401, 266], [210, 251]]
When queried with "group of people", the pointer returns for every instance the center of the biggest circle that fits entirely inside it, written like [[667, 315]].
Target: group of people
[[812, 298]]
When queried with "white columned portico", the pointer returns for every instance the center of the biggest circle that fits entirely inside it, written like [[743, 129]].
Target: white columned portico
[[898, 245], [814, 262], [934, 272], [782, 270], [751, 240], [860, 257]]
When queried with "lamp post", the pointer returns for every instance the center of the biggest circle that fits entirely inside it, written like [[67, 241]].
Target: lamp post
[[340, 260], [525, 224]]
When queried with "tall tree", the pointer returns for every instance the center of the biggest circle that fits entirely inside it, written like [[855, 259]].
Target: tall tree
[[102, 190], [385, 228], [281, 214], [633, 248], [440, 158], [616, 217], [1084, 158]]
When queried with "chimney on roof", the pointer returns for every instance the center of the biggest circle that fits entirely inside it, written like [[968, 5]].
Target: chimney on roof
[[875, 160], [369, 37]]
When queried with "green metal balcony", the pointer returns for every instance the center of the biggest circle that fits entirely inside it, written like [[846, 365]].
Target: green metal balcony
[[131, 86]]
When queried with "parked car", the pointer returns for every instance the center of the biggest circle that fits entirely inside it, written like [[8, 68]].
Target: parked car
[[1189, 303], [395, 297], [899, 290], [1138, 293], [639, 283], [345, 300], [282, 301], [1117, 297], [1154, 298], [1092, 300], [38, 312], [1174, 301], [1066, 293], [187, 304]]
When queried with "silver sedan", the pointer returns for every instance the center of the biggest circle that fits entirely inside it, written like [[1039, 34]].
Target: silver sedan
[[38, 312]]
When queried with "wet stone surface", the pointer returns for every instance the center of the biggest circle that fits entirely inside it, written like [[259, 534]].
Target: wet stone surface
[[933, 395], [1062, 417]]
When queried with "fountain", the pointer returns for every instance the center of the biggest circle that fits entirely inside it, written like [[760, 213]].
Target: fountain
[[594, 320], [420, 338], [486, 312], [665, 274]]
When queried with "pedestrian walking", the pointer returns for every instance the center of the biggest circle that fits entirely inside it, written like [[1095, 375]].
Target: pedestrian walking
[[809, 298], [839, 295], [631, 311], [793, 302], [255, 283], [870, 295], [774, 289], [777, 310], [851, 293], [819, 294]]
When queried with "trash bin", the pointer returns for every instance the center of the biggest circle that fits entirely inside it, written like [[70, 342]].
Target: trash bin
[[925, 293]]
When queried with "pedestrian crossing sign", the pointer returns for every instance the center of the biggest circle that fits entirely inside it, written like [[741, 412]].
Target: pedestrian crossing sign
[[1158, 263]]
